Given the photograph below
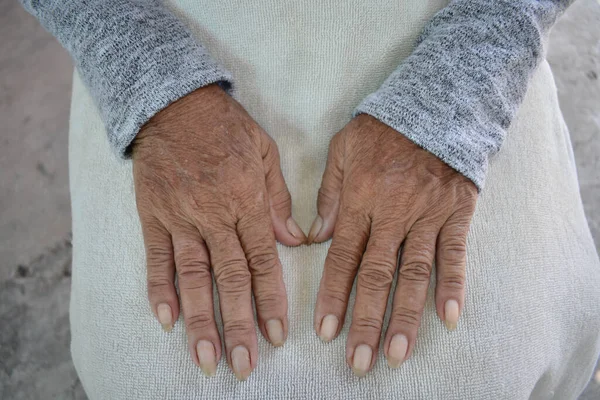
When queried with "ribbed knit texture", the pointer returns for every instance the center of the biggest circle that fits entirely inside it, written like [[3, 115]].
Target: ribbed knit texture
[[458, 92], [455, 96], [531, 322], [134, 56]]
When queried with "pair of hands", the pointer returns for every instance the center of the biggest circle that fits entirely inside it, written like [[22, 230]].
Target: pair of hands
[[211, 197]]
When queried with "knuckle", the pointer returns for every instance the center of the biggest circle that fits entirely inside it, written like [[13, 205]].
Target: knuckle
[[192, 270], [421, 250], [191, 277], [238, 327], [281, 200], [376, 277], [367, 323], [199, 322], [381, 255], [158, 281], [158, 285], [262, 261], [327, 196], [233, 277], [269, 300], [452, 281], [453, 250], [343, 256], [415, 271], [454, 244], [189, 260], [406, 316], [157, 254]]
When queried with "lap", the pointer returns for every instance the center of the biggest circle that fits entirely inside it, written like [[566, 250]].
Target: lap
[[530, 324]]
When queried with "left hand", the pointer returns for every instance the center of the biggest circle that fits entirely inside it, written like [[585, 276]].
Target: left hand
[[380, 190]]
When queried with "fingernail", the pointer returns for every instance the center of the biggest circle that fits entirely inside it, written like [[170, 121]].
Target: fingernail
[[329, 327], [315, 229], [397, 351], [294, 229], [451, 314], [275, 332], [240, 358], [362, 360], [207, 357], [165, 317]]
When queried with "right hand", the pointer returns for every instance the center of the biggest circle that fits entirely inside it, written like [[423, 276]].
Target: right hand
[[211, 195]]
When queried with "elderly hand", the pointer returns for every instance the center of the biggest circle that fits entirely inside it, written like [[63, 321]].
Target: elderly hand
[[380, 190], [211, 196]]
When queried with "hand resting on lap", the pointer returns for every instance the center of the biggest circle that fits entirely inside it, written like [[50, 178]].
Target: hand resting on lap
[[380, 191], [211, 197]]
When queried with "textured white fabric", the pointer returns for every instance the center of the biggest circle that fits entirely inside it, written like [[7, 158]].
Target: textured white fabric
[[531, 323]]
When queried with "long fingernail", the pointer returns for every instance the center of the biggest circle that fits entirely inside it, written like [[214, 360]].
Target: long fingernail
[[397, 351], [294, 229], [362, 360], [240, 358], [207, 357], [329, 327], [165, 316], [451, 314], [315, 229], [275, 332]]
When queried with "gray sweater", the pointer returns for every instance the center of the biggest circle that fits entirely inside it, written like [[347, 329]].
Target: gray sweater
[[455, 95]]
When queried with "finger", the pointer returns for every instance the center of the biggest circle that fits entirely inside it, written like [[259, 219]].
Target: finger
[[160, 272], [328, 200], [232, 276], [341, 264], [374, 281], [286, 229], [256, 236], [411, 292], [195, 287], [451, 259]]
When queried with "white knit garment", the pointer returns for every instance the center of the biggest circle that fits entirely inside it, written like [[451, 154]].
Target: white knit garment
[[531, 322]]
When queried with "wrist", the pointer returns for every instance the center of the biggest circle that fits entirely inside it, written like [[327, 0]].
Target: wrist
[[173, 119]]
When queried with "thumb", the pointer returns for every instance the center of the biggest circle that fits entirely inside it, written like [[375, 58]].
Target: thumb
[[328, 200], [286, 229]]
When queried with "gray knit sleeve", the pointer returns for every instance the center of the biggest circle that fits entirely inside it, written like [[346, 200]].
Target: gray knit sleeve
[[457, 93], [134, 56]]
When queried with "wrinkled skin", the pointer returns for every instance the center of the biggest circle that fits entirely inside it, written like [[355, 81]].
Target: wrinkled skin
[[212, 199], [379, 191]]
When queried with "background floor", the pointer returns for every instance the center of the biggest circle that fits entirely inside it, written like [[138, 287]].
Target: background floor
[[35, 252]]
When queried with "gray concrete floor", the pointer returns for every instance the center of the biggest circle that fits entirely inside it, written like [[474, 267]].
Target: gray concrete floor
[[35, 80]]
